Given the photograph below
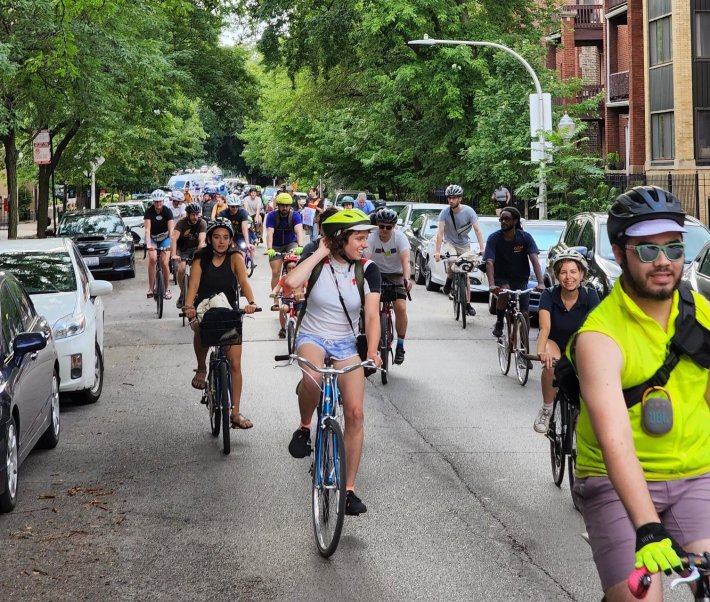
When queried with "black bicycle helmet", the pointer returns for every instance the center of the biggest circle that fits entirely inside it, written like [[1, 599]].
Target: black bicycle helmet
[[220, 222], [386, 216], [639, 204], [193, 208], [453, 190], [379, 204]]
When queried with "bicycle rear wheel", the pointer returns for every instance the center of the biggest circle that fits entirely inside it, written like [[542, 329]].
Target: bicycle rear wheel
[[213, 404], [384, 346], [555, 433], [504, 347], [249, 262], [572, 451], [328, 487], [455, 296], [185, 283], [522, 346], [290, 335], [463, 298], [225, 394], [159, 292]]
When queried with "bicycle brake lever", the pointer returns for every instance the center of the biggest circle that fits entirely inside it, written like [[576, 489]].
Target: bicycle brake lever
[[693, 576]]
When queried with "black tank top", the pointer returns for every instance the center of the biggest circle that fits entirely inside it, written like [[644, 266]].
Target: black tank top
[[215, 280]]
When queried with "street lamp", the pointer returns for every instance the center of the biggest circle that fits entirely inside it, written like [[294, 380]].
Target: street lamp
[[542, 193], [566, 128]]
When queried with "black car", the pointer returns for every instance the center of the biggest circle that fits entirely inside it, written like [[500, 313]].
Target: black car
[[418, 235], [586, 232], [103, 240], [29, 385]]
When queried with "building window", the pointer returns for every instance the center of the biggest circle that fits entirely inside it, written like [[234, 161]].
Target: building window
[[660, 41], [702, 34], [704, 134], [662, 136]]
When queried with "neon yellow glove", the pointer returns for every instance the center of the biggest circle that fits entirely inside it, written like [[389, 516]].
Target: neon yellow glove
[[298, 250], [271, 253], [656, 550]]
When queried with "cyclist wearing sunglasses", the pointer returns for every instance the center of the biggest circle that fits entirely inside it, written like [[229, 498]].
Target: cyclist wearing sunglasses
[[389, 249], [643, 469]]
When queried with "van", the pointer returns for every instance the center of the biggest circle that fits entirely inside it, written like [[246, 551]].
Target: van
[[178, 182]]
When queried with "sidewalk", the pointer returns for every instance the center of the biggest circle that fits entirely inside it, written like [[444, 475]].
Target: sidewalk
[[24, 230]]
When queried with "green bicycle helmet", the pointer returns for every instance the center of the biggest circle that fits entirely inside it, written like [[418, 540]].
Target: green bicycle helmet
[[349, 219]]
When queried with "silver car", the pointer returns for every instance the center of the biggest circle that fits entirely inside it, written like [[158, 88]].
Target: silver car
[[697, 274]]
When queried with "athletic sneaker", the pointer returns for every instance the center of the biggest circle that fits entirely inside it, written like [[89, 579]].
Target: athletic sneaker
[[354, 505], [282, 333], [542, 422], [300, 445], [498, 330], [180, 302], [399, 355], [470, 310], [447, 286]]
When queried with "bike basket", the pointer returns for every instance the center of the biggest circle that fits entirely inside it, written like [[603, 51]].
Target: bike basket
[[465, 265], [221, 326]]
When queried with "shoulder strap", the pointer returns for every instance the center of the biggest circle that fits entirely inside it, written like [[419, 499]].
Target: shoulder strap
[[360, 279], [453, 220], [311, 283]]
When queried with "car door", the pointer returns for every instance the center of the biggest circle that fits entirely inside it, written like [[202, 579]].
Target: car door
[[703, 275], [92, 307], [413, 234]]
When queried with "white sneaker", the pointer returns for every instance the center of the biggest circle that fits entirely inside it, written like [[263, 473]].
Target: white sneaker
[[542, 422]]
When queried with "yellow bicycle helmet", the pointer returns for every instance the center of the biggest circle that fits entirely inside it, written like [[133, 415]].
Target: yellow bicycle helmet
[[349, 219], [284, 198]]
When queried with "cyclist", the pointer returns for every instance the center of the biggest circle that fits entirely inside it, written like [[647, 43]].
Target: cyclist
[[209, 200], [326, 332], [158, 223], [239, 219], [219, 269], [643, 490], [186, 194], [284, 232], [254, 207], [389, 249], [178, 208], [219, 207], [455, 223], [378, 204], [348, 202], [563, 309], [364, 204], [509, 253], [188, 236], [290, 262]]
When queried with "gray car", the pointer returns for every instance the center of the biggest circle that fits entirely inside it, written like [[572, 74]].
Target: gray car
[[418, 235], [698, 272]]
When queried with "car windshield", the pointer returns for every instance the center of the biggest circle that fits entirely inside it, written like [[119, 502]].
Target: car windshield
[[544, 236], [104, 223], [130, 210], [487, 228], [418, 212], [41, 272]]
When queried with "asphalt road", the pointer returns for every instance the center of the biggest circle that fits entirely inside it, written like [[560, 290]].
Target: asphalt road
[[138, 502]]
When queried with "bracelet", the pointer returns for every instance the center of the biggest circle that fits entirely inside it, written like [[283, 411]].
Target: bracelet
[[188, 307]]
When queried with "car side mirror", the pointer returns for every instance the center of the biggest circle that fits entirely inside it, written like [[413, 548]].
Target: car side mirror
[[28, 342], [98, 288], [400, 221]]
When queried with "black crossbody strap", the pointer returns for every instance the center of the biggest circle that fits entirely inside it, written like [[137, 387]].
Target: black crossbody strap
[[342, 302]]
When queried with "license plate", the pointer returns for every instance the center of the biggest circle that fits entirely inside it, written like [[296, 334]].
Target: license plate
[[91, 261]]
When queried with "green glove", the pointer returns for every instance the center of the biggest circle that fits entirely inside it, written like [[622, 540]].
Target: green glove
[[298, 250], [271, 253], [656, 550]]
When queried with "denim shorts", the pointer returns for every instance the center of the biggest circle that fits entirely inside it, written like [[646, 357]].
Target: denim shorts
[[342, 349], [683, 505], [163, 244]]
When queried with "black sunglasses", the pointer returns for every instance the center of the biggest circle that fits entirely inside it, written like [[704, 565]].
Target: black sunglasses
[[384, 227]]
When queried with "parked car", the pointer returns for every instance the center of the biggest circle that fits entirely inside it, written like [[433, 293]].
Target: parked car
[[412, 211], [697, 274], [132, 213], [339, 196], [29, 385], [103, 240], [418, 235], [64, 291], [397, 206], [587, 233]]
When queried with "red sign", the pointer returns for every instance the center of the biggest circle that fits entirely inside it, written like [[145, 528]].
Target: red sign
[[42, 149]]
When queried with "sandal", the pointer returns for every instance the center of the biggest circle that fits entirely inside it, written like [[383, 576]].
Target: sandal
[[168, 295], [199, 381], [149, 295], [241, 422]]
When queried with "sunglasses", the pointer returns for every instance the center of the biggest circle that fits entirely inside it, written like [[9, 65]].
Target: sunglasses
[[384, 227], [648, 253]]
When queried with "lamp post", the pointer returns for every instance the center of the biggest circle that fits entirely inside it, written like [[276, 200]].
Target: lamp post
[[95, 164], [542, 190], [566, 128]]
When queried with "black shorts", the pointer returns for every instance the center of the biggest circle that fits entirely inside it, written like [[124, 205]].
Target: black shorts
[[516, 285], [185, 255], [393, 287]]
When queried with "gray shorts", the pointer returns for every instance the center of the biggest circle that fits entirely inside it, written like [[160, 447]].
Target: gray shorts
[[683, 505], [283, 249]]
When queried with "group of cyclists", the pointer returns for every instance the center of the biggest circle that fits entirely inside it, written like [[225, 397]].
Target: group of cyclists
[[644, 494]]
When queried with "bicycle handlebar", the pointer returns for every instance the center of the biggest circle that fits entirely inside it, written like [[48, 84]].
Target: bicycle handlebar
[[640, 580], [505, 291], [239, 309], [325, 369]]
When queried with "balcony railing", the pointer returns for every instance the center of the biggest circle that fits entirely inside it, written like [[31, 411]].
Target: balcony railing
[[612, 4], [589, 16], [619, 86], [588, 91]]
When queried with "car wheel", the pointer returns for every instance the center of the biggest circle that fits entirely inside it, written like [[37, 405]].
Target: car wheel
[[491, 304], [419, 269], [92, 394], [50, 438], [8, 498], [430, 286]]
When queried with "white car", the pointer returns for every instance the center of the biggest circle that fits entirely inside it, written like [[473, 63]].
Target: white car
[[63, 290], [132, 213]]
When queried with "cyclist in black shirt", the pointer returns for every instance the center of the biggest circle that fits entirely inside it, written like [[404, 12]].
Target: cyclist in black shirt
[[158, 222], [239, 218]]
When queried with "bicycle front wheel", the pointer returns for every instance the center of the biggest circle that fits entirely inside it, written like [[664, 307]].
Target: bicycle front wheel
[[555, 433], [329, 487], [290, 335], [185, 283], [463, 299], [572, 414], [250, 265], [225, 392], [455, 296], [213, 404], [384, 346], [522, 346], [504, 347], [159, 293]]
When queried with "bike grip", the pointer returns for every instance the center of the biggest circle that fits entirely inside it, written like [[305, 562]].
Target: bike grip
[[281, 358], [639, 583]]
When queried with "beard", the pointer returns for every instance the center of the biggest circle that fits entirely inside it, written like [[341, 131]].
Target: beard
[[643, 290]]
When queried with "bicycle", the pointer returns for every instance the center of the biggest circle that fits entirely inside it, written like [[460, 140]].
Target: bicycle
[[328, 462], [291, 320], [387, 299], [561, 433], [515, 338], [461, 266], [185, 283], [697, 568], [248, 257], [217, 395], [173, 265], [159, 285]]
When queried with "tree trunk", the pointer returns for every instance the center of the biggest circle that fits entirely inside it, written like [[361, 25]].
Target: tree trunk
[[9, 141], [80, 204]]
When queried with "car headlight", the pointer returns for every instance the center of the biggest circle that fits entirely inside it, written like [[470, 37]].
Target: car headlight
[[119, 249], [69, 326]]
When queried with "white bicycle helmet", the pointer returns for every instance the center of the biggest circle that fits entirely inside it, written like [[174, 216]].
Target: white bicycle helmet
[[453, 190], [570, 255], [158, 195], [233, 201], [176, 195]]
